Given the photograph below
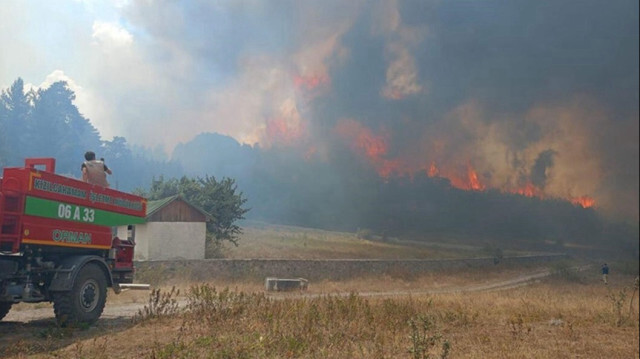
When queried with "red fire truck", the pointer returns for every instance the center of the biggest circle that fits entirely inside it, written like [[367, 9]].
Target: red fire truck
[[57, 241]]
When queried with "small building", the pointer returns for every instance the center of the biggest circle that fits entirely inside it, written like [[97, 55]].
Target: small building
[[175, 229]]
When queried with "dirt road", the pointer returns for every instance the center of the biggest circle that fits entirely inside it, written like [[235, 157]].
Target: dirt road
[[123, 311], [31, 329]]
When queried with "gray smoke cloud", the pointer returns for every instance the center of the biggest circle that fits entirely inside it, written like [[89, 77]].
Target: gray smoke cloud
[[543, 163], [544, 91], [521, 92]]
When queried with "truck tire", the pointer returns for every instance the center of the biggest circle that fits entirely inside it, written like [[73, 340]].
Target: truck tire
[[4, 308], [85, 302]]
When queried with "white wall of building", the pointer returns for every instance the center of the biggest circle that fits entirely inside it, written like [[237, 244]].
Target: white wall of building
[[175, 240], [168, 240]]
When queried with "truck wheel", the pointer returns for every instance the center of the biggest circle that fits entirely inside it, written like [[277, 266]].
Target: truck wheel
[[85, 302], [4, 308]]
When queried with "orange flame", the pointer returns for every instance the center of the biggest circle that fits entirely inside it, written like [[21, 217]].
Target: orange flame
[[474, 182], [528, 190], [469, 181], [374, 148], [584, 201], [371, 146]]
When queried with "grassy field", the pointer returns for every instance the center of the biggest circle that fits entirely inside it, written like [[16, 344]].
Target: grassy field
[[260, 240], [570, 314], [557, 318]]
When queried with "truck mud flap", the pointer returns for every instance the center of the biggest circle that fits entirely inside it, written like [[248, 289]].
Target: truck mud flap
[[67, 272]]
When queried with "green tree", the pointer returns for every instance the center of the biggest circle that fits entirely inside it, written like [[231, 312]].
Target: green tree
[[57, 129], [15, 111], [220, 199]]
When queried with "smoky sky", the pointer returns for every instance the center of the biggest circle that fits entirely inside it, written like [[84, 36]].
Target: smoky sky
[[544, 92], [507, 54], [541, 90]]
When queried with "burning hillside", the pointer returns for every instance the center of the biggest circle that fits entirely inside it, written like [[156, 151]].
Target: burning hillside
[[373, 148], [486, 99]]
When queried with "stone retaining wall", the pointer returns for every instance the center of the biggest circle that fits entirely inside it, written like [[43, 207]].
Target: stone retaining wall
[[314, 270]]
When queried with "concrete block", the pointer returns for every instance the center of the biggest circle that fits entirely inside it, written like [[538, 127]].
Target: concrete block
[[283, 285]]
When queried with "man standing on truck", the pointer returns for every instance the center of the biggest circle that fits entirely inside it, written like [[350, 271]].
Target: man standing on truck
[[94, 171]]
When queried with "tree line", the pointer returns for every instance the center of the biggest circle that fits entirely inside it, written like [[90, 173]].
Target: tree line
[[343, 193], [281, 186]]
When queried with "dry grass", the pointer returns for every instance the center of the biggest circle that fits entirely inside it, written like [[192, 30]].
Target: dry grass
[[569, 315], [274, 241], [553, 319]]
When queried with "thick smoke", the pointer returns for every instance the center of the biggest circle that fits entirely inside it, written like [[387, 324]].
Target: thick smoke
[[539, 170], [539, 98]]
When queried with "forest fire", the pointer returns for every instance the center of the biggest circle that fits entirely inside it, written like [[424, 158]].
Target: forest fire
[[469, 181], [474, 182], [362, 140], [374, 147]]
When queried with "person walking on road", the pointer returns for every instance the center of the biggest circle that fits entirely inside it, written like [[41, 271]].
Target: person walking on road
[[605, 273]]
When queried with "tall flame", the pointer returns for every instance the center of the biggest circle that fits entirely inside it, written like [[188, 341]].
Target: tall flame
[[466, 181], [474, 182]]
